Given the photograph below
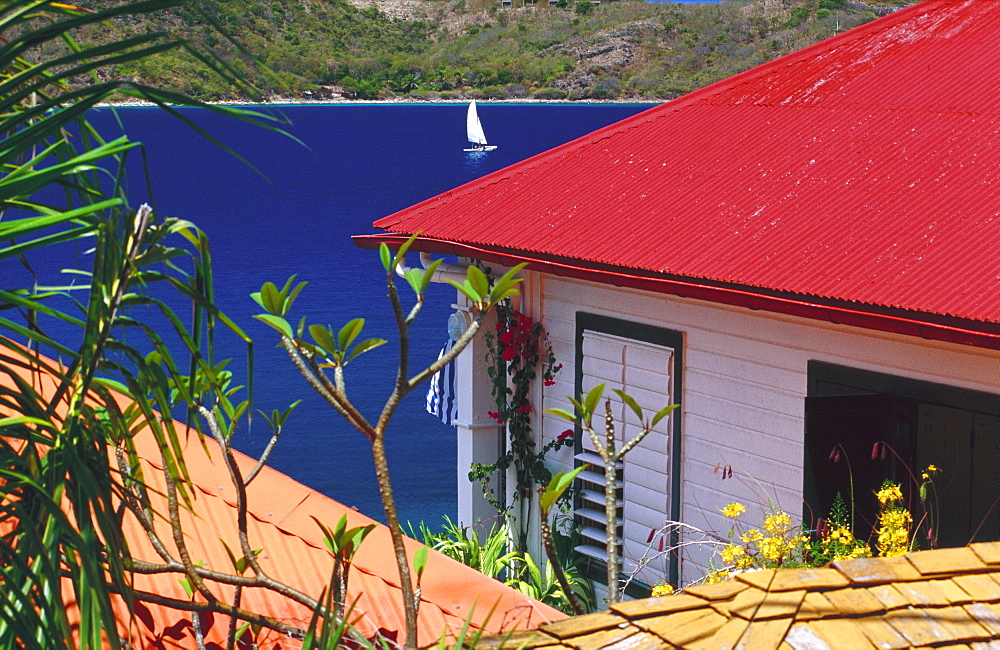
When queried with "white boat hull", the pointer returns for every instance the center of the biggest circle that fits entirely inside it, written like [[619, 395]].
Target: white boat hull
[[487, 147]]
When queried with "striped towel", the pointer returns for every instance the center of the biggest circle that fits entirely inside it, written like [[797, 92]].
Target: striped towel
[[441, 396]]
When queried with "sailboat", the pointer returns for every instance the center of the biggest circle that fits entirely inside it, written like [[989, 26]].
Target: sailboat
[[474, 129]]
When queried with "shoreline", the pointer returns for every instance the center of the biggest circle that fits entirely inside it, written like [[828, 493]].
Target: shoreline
[[288, 101]]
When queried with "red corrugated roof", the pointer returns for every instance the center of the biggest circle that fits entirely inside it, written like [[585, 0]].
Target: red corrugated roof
[[280, 523], [864, 169]]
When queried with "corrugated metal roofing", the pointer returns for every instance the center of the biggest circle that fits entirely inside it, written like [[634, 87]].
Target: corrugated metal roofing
[[865, 168], [280, 523]]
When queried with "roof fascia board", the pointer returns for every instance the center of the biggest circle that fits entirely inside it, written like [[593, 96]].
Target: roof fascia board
[[948, 329]]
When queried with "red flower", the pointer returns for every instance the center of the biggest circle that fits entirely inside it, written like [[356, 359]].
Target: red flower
[[525, 409], [493, 415], [549, 381], [568, 433]]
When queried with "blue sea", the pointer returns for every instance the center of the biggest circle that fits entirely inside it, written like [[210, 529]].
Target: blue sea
[[290, 209]]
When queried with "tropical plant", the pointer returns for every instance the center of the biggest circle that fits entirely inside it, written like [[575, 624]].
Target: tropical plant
[[69, 470], [554, 491], [323, 362], [562, 583], [490, 556]]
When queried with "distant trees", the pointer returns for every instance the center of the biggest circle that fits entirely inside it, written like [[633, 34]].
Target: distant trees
[[682, 46]]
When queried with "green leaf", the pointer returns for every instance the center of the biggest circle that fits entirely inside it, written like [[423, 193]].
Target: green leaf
[[386, 256], [563, 413], [364, 346], [338, 532], [278, 323], [349, 332], [466, 289], [272, 301], [401, 253], [425, 281], [663, 413], [477, 281], [556, 487], [324, 339], [291, 296], [592, 399], [505, 287], [415, 278], [420, 561], [630, 402]]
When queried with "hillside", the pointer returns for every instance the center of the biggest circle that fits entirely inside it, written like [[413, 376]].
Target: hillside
[[460, 49]]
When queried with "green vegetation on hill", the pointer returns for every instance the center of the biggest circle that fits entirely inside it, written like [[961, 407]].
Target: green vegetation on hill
[[451, 49]]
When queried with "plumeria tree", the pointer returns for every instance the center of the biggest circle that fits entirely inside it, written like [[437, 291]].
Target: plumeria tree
[[611, 453], [322, 359]]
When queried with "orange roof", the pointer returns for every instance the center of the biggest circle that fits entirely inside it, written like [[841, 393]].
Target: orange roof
[[280, 511], [946, 597]]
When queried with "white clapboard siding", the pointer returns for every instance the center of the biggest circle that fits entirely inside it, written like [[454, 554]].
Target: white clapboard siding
[[744, 388], [642, 370]]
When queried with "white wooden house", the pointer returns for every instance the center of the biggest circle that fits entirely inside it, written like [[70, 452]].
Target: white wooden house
[[803, 256]]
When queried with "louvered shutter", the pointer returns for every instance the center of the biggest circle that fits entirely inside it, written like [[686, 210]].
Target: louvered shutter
[[643, 370]]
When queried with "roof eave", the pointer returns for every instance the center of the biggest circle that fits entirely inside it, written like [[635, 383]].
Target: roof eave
[[897, 321]]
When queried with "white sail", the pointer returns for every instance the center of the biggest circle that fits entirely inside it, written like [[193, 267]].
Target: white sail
[[473, 127]]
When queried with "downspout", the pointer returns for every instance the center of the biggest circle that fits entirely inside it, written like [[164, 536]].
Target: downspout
[[443, 273]]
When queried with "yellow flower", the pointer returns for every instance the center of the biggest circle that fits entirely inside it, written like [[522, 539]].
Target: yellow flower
[[888, 494], [893, 531], [924, 476], [779, 523], [733, 510], [932, 468], [731, 553], [662, 590], [717, 576]]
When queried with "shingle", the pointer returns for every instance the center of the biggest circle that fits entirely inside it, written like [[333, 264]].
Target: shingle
[[880, 634], [987, 615], [988, 552], [620, 636], [854, 602], [946, 560], [877, 570], [980, 587], [933, 593], [808, 579], [717, 591], [635, 609], [889, 596], [936, 626], [764, 634], [840, 633], [816, 605], [578, 625]]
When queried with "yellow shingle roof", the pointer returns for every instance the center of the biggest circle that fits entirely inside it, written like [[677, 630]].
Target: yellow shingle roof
[[944, 597]]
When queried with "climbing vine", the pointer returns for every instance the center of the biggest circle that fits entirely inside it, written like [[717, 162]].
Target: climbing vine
[[517, 351]]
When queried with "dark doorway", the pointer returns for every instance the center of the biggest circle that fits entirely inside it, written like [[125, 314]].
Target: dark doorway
[[848, 411]]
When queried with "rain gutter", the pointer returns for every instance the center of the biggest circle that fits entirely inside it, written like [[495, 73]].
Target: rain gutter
[[909, 323]]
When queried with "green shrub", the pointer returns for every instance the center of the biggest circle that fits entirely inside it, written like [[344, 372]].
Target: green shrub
[[549, 93]]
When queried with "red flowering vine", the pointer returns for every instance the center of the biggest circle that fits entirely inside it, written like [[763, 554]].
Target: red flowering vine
[[518, 350]]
